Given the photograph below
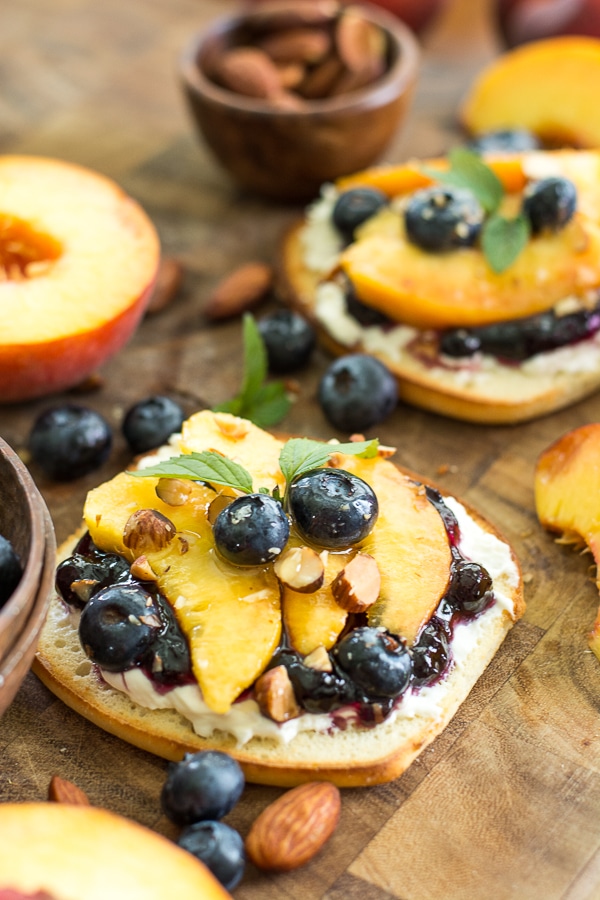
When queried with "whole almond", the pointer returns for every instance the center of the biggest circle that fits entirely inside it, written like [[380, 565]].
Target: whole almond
[[303, 45], [360, 43], [293, 829], [296, 14], [168, 282], [62, 791], [240, 291], [319, 82], [248, 71]]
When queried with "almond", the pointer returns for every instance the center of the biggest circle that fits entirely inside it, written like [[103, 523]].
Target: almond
[[296, 14], [275, 695], [173, 491], [62, 791], [357, 586], [301, 569], [240, 291], [297, 45], [291, 74], [142, 570], [168, 282], [147, 530], [248, 71], [360, 43], [319, 82], [318, 659], [290, 831]]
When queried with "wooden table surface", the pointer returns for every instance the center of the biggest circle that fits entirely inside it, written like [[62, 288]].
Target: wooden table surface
[[506, 803]]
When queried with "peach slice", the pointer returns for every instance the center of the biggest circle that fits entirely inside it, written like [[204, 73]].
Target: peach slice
[[567, 492], [87, 853], [548, 86], [78, 260]]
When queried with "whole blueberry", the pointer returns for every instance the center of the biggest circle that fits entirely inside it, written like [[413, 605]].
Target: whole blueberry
[[219, 847], [549, 203], [69, 441], [149, 423], [289, 340], [378, 663], [204, 785], [117, 627], [431, 653], [505, 140], [356, 392], [332, 508], [252, 530], [10, 569], [354, 207], [442, 218], [470, 589], [78, 578]]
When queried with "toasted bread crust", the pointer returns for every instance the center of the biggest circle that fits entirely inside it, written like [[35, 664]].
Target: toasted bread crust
[[508, 398], [351, 758]]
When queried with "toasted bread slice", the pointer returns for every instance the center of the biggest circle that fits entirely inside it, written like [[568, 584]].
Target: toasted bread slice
[[336, 746]]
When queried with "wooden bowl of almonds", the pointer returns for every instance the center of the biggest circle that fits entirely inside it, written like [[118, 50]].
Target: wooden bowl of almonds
[[291, 94]]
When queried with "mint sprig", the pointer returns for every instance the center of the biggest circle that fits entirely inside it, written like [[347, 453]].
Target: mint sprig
[[265, 404], [298, 456], [502, 239]]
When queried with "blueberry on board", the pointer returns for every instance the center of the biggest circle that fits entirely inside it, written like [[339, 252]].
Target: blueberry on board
[[219, 847], [505, 140], [118, 626], [354, 207], [10, 569], [289, 340], [252, 530], [204, 785], [69, 441], [356, 392], [470, 588], [149, 423], [442, 218], [378, 663], [332, 508], [549, 203], [431, 653]]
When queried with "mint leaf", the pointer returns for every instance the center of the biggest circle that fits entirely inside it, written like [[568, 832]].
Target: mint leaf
[[503, 239], [300, 455], [468, 170], [206, 466], [264, 404]]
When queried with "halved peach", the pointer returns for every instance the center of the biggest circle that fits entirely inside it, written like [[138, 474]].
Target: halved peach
[[78, 260]]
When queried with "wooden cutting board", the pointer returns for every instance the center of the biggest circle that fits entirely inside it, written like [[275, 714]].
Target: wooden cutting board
[[506, 803]]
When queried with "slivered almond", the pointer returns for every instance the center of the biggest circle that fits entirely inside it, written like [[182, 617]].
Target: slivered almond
[[357, 586], [147, 530], [301, 569], [275, 695], [248, 71], [62, 791], [240, 291], [303, 45], [293, 829], [168, 283]]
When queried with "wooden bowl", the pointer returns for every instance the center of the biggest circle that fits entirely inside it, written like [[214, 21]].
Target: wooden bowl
[[24, 520], [287, 154]]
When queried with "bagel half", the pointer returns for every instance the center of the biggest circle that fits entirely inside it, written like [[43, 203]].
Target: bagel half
[[348, 751]]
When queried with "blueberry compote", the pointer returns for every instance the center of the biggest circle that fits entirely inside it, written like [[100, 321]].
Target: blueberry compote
[[125, 623]]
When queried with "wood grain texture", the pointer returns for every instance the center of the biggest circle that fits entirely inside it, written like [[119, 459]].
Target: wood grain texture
[[505, 803]]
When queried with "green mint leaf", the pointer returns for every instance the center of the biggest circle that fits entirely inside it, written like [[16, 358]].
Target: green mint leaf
[[468, 170], [503, 239], [264, 404], [300, 455], [206, 466]]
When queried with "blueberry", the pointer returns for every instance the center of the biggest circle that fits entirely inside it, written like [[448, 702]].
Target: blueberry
[[354, 207], [10, 569], [443, 218], [289, 340], [149, 423], [378, 663], [332, 508], [549, 203], [364, 315], [316, 691], [204, 785], [505, 140], [431, 653], [356, 392], [69, 441], [252, 530], [470, 587], [78, 579], [219, 847], [118, 626]]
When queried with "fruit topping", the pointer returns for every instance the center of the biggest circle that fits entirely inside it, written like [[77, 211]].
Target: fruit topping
[[443, 218], [357, 586], [354, 207], [274, 694], [69, 441], [149, 423], [251, 530], [356, 392], [549, 203], [431, 653], [301, 569], [378, 663], [332, 508], [470, 589], [289, 340], [219, 847], [316, 690], [78, 578], [505, 140], [204, 785], [10, 569]]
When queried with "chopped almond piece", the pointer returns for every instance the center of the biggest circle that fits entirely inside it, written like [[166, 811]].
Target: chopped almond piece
[[357, 586]]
